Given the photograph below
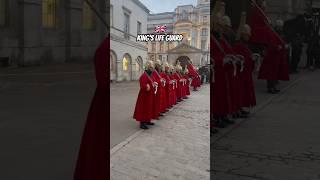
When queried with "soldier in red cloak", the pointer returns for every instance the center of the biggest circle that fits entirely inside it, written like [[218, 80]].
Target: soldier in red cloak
[[248, 98], [188, 81], [177, 77], [168, 87], [161, 99], [92, 158], [221, 102], [144, 110], [174, 85], [274, 65]]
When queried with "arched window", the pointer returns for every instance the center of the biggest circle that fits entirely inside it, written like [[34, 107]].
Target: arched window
[[126, 62], [139, 64], [204, 32], [184, 15], [49, 13], [3, 12], [88, 17]]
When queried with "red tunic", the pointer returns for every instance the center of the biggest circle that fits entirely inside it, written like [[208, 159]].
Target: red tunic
[[274, 65], [92, 159], [196, 82], [178, 87], [220, 98], [233, 80], [248, 98], [186, 76], [144, 106], [183, 86], [174, 90], [158, 97], [166, 101]]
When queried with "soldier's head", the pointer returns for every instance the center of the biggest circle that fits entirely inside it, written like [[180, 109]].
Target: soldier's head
[[216, 17], [158, 65], [226, 22], [149, 66], [246, 33], [166, 67]]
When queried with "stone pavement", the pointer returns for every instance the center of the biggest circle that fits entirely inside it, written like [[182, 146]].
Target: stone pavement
[[42, 116], [177, 147], [279, 142]]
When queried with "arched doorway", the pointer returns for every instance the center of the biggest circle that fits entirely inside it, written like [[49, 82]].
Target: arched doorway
[[139, 65], [127, 67], [113, 65], [184, 61]]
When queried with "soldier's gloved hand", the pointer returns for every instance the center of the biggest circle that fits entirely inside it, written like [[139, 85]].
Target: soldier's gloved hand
[[256, 56]]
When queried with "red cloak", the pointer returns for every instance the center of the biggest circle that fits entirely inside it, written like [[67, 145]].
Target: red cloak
[[196, 82], [167, 90], [220, 95], [144, 106], [233, 80], [178, 87], [274, 65], [92, 160], [158, 97], [186, 76], [248, 97]]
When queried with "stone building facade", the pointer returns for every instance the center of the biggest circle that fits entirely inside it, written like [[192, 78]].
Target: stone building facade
[[191, 21], [127, 18], [35, 32]]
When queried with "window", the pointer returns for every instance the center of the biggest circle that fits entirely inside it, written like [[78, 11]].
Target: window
[[204, 18], [204, 32], [126, 26], [3, 12], [111, 63], [139, 64], [49, 13], [125, 63], [153, 47], [111, 15], [203, 44], [184, 15], [138, 27], [160, 57], [161, 47], [88, 17]]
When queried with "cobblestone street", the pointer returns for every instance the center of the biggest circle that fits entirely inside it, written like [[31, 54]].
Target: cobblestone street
[[281, 139], [177, 147]]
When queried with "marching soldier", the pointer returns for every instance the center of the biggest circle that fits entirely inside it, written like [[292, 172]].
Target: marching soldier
[[274, 65], [196, 82]]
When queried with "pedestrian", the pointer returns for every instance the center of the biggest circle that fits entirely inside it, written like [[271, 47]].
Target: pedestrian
[[297, 45], [144, 109]]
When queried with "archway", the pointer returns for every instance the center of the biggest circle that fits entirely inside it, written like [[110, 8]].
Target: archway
[[113, 65], [127, 67], [184, 61], [139, 65]]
